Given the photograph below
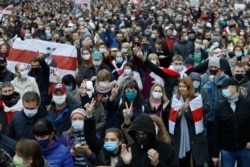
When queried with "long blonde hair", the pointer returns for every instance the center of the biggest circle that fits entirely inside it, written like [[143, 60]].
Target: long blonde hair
[[162, 132]]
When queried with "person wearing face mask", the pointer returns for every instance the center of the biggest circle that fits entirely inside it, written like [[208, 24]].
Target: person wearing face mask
[[5, 74], [29, 154], [10, 102], [74, 140], [158, 102], [107, 150], [231, 128], [237, 55], [22, 82], [239, 75], [146, 147], [212, 81], [118, 64], [97, 65], [199, 55], [186, 125], [41, 72], [183, 46], [23, 121], [129, 74], [54, 152], [130, 97], [60, 108]]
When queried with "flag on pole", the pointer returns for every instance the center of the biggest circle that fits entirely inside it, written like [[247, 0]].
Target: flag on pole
[[61, 57]]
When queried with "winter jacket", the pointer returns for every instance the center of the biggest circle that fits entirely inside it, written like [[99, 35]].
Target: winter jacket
[[8, 144], [5, 159], [231, 129], [29, 84], [167, 154], [214, 90], [182, 48], [42, 80], [6, 76], [57, 155], [61, 121], [21, 125]]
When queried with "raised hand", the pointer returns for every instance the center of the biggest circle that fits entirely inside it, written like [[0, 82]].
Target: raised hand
[[126, 113], [126, 154], [153, 155], [114, 92], [83, 88], [39, 55], [89, 108]]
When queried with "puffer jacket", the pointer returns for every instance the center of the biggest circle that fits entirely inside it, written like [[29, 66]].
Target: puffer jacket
[[57, 155]]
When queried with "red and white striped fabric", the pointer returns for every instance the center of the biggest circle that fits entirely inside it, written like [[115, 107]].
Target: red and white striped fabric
[[7, 10], [62, 58], [196, 108]]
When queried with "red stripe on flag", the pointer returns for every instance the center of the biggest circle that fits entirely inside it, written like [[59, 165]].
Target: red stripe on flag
[[173, 115], [25, 56], [197, 114]]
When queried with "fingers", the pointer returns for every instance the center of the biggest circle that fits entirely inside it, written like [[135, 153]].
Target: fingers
[[126, 105]]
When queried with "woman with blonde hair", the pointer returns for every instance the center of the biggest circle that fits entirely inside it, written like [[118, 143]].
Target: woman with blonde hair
[[186, 125]]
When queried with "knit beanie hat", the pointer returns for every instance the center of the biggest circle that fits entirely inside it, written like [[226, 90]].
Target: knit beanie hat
[[214, 61], [78, 111]]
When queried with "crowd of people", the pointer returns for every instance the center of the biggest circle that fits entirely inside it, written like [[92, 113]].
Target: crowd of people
[[157, 83]]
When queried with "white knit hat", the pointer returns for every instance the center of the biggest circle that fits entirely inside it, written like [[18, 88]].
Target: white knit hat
[[78, 111]]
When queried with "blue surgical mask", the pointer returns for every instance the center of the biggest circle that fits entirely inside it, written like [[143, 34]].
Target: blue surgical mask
[[44, 143], [119, 60], [238, 54], [69, 87], [130, 95], [226, 93], [110, 146], [196, 84]]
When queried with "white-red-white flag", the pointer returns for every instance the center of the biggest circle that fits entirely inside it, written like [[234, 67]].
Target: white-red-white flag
[[61, 57], [7, 11]]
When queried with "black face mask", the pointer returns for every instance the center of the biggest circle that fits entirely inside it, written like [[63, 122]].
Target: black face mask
[[239, 77], [213, 72], [35, 70], [209, 39], [7, 98], [144, 46], [144, 143]]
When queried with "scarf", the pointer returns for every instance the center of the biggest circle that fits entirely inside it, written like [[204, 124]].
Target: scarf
[[106, 89], [156, 102], [118, 70], [196, 108]]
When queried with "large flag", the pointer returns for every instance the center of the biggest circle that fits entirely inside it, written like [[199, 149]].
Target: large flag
[[58, 56], [7, 10]]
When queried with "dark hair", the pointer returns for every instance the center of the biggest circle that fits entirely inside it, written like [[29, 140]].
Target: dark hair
[[43, 127], [69, 79], [128, 64], [138, 102], [7, 84], [31, 96], [34, 60], [117, 132], [27, 148]]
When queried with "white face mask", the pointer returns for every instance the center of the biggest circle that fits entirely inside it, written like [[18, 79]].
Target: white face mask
[[78, 125], [127, 71], [124, 50], [153, 61], [178, 68], [97, 62], [102, 50], [196, 84], [24, 74], [89, 93], [86, 57], [103, 84], [30, 113], [59, 100], [157, 95]]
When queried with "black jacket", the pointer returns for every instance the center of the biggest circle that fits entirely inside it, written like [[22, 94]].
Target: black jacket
[[231, 129], [167, 154]]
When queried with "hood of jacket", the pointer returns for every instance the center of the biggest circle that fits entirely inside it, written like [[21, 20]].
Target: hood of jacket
[[143, 122]]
